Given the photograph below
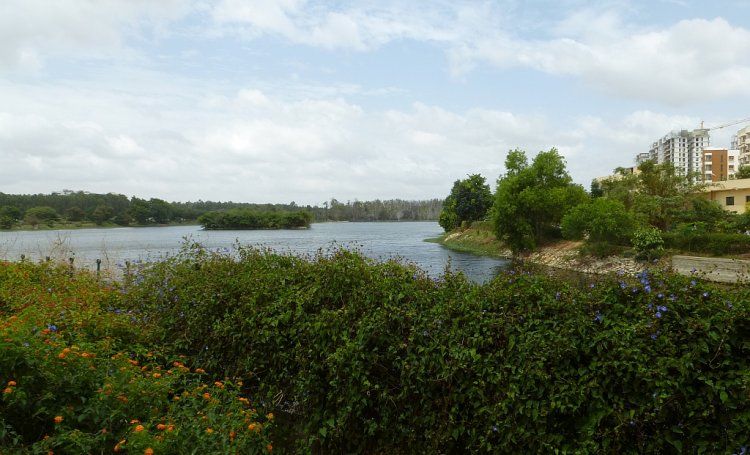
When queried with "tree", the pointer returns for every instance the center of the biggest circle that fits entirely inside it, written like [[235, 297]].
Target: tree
[[601, 220], [75, 214], [662, 194], [36, 215], [470, 200], [530, 201], [743, 172], [101, 214]]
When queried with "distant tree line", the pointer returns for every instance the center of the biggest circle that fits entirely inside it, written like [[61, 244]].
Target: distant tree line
[[118, 209], [253, 219]]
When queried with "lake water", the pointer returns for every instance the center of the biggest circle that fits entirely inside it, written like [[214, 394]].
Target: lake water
[[376, 240]]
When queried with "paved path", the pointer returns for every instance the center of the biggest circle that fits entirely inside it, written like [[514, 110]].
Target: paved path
[[715, 269]]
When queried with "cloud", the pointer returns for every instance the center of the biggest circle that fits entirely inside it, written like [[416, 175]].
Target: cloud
[[32, 30]]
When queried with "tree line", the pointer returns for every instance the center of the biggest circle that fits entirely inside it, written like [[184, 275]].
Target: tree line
[[118, 209], [649, 210]]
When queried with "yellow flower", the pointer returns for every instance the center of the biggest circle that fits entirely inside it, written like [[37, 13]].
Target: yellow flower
[[209, 430], [269, 416]]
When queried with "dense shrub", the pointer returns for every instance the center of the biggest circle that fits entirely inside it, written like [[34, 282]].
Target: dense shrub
[[359, 356], [74, 378], [716, 243], [648, 243], [601, 220]]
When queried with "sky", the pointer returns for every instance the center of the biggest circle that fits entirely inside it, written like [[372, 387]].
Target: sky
[[306, 100]]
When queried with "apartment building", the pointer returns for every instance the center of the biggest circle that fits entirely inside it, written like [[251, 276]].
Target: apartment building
[[741, 141], [682, 149], [718, 164]]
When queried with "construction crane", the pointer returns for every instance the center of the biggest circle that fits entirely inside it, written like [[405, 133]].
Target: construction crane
[[736, 122]]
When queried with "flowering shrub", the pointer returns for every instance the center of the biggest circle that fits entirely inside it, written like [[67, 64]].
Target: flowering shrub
[[76, 379], [356, 356]]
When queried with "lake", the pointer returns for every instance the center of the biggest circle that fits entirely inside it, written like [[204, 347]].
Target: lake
[[376, 240]]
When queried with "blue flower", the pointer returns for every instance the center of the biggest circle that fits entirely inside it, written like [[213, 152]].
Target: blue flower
[[647, 288], [623, 285], [557, 296], [660, 296], [692, 283], [52, 328], [662, 308], [598, 317], [658, 314], [705, 294]]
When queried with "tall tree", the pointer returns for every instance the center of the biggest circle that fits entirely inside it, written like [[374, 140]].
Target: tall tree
[[531, 199], [470, 200]]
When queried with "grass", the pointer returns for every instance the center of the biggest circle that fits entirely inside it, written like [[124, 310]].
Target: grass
[[477, 239]]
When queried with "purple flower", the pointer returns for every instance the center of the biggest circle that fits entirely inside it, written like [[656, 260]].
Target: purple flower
[[653, 336], [660, 296], [705, 294], [692, 283], [662, 308], [658, 314], [623, 285], [52, 328]]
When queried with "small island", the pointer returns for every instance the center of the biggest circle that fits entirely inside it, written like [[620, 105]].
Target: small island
[[253, 219]]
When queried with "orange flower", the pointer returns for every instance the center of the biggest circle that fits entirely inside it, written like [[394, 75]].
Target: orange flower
[[219, 384], [206, 395], [7, 390], [209, 430], [269, 416], [200, 370], [269, 447], [148, 451], [156, 375], [244, 400], [134, 421], [252, 427], [170, 427], [61, 355], [161, 427], [58, 419], [232, 435], [12, 383], [139, 428]]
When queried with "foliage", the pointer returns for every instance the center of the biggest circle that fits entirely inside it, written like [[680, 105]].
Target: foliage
[[663, 194], [80, 206], [101, 214], [648, 243], [356, 356], [716, 243], [38, 215], [743, 172], [249, 219], [601, 220], [368, 357], [530, 201], [76, 379], [469, 200]]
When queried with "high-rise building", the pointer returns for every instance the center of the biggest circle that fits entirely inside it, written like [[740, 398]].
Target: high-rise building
[[682, 149], [742, 142], [718, 164]]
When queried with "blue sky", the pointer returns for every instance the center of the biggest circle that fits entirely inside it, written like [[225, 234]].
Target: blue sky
[[281, 100]]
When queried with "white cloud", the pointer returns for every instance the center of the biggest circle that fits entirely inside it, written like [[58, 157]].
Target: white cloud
[[31, 30]]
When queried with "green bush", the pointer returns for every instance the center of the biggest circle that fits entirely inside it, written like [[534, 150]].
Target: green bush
[[376, 357], [601, 220], [251, 219], [648, 243], [74, 378], [715, 243]]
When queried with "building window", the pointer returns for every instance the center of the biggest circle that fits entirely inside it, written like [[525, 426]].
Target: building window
[[747, 199], [730, 200]]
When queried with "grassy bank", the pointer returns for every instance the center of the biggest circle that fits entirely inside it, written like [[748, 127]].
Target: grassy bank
[[479, 239], [340, 354], [74, 225]]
